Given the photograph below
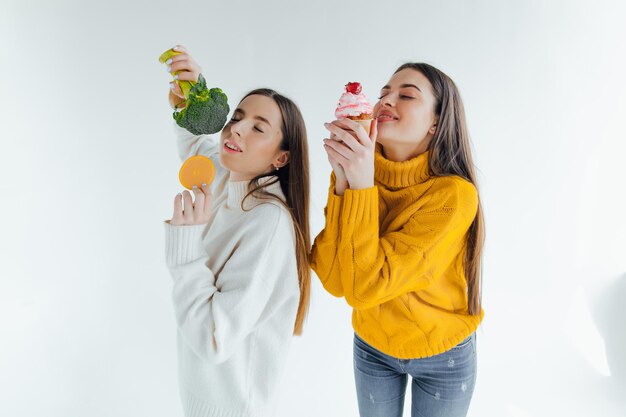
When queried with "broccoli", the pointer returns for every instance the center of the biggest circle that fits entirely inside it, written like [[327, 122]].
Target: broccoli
[[204, 110]]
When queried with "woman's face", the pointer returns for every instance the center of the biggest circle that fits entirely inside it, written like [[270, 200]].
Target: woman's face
[[255, 133], [406, 110]]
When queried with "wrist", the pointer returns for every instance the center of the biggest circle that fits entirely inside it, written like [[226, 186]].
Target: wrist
[[340, 189], [341, 186], [361, 184]]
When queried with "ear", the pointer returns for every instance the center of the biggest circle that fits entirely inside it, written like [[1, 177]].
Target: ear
[[433, 128], [282, 159]]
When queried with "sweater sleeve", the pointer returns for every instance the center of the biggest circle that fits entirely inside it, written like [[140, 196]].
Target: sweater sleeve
[[375, 269], [323, 257], [215, 313]]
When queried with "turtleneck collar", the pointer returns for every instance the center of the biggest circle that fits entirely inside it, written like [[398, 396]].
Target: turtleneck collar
[[400, 174], [237, 190]]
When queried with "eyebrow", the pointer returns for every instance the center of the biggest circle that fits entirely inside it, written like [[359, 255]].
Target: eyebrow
[[403, 86], [263, 119]]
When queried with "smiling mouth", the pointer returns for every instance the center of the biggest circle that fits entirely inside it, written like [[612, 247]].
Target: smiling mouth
[[386, 118], [232, 147]]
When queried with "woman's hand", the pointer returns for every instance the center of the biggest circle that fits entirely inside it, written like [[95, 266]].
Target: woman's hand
[[188, 70], [194, 212], [353, 150], [341, 182]]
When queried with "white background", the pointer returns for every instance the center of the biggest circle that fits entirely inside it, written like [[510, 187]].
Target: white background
[[88, 171]]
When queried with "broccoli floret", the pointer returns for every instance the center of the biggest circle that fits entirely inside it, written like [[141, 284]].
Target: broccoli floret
[[205, 111]]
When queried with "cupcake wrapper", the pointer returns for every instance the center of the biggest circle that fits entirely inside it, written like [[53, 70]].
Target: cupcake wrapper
[[366, 124]]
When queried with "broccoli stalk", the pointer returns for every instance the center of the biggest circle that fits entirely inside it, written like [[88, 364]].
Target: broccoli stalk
[[204, 111]]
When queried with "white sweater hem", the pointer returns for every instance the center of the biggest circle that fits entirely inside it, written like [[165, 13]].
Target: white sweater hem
[[194, 407]]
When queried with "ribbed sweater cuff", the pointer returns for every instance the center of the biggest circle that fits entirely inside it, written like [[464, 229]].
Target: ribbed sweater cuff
[[332, 211], [360, 206], [183, 244], [333, 207]]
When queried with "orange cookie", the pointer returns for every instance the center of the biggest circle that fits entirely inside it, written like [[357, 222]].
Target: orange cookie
[[196, 170]]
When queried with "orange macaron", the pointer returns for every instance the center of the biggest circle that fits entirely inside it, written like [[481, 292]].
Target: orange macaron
[[196, 170]]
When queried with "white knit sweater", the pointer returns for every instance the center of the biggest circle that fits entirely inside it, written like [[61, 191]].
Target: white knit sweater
[[235, 296]]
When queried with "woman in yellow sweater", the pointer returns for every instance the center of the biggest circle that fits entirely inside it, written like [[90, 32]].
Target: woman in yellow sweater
[[402, 243]]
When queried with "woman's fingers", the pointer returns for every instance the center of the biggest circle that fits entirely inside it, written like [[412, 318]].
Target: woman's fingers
[[176, 90], [181, 57], [190, 210], [184, 71], [198, 205], [355, 154], [333, 154], [339, 148], [374, 130], [208, 198], [178, 209], [341, 134], [360, 133], [181, 67], [187, 76], [180, 48], [333, 163], [188, 207], [336, 132]]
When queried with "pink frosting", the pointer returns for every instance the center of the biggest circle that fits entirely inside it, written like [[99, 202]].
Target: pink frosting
[[352, 105]]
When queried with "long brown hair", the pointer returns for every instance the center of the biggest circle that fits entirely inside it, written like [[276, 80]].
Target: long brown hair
[[294, 182], [449, 153]]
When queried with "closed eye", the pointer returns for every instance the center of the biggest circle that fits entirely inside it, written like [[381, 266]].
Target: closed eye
[[233, 120]]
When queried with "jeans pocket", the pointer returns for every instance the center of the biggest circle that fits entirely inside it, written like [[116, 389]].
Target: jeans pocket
[[362, 348], [369, 361], [465, 343]]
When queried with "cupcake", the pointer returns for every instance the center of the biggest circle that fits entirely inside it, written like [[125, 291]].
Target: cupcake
[[354, 105]]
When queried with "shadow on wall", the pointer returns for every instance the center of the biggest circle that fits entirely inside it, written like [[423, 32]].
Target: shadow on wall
[[609, 314], [589, 377]]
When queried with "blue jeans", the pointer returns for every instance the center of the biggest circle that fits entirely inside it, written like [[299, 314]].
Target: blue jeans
[[442, 385]]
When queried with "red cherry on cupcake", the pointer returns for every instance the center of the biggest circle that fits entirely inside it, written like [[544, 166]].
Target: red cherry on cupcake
[[354, 88]]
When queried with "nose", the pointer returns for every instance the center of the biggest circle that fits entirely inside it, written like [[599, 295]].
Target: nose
[[236, 128], [388, 100]]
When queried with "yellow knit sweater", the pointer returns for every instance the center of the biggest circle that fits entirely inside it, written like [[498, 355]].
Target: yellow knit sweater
[[395, 252]]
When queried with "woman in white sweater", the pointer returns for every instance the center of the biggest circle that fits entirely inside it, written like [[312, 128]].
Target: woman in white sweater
[[237, 253]]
